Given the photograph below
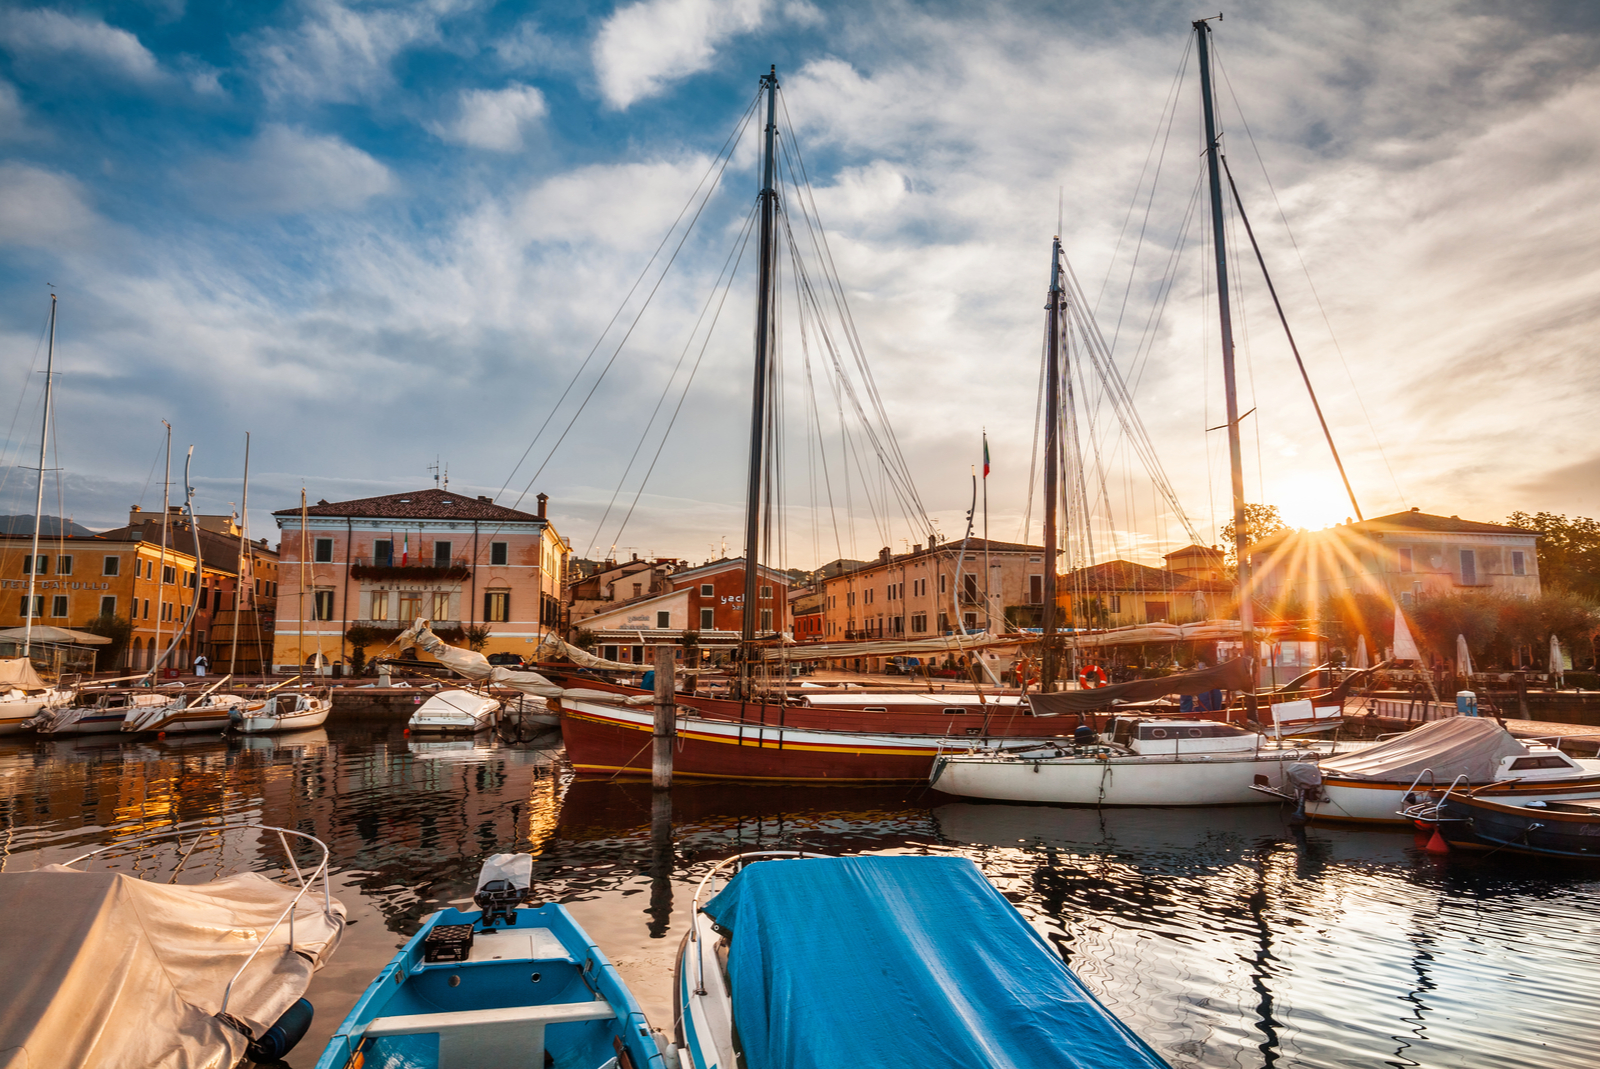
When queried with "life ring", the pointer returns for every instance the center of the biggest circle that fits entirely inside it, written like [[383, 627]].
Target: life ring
[[1091, 673], [1027, 673]]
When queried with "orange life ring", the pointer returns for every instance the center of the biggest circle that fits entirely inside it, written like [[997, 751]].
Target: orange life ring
[[1027, 673], [1092, 672]]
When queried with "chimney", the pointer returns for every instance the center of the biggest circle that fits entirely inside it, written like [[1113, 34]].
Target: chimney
[[883, 555], [917, 548], [134, 517], [543, 499], [487, 500]]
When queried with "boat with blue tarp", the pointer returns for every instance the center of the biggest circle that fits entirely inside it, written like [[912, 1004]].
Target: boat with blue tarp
[[508, 985], [804, 962]]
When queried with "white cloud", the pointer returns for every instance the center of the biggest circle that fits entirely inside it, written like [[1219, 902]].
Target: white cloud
[[285, 170], [51, 31], [13, 117], [42, 209], [643, 47], [342, 54], [494, 119]]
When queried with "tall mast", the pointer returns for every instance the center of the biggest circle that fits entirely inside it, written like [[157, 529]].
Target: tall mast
[[758, 407], [38, 501], [238, 569], [1052, 449], [1241, 532], [161, 567]]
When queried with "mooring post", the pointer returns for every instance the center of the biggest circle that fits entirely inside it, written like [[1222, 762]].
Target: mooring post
[[666, 720]]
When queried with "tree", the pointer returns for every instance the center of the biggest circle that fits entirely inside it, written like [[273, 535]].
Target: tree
[[477, 636], [118, 630], [1260, 521], [360, 637], [1568, 551]]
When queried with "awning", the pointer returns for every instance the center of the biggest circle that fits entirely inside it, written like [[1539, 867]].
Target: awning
[[59, 635]]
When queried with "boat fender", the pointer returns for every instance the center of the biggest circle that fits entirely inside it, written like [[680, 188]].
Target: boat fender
[[281, 1038], [1091, 673]]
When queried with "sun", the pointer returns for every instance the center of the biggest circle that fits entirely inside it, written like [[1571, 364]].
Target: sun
[[1309, 500]]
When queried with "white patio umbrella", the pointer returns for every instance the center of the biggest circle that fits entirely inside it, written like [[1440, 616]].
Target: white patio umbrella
[[1362, 660], [1556, 660], [1463, 657], [1405, 647]]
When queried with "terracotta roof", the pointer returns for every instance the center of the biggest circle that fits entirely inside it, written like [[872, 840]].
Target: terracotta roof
[[1423, 521], [1127, 575], [417, 505], [1206, 551]]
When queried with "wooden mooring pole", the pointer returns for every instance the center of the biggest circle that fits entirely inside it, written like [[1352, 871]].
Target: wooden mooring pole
[[666, 720]]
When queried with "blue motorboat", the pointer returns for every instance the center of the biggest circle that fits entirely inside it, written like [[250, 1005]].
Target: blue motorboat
[[509, 985], [894, 962]]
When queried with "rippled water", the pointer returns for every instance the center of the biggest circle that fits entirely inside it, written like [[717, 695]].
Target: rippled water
[[1223, 937]]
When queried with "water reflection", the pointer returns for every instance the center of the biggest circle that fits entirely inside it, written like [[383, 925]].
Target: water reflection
[[1224, 937]]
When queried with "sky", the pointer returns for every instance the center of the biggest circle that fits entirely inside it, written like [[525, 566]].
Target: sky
[[379, 236]]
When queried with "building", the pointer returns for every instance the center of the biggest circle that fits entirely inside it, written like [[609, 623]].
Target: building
[[707, 601], [916, 594], [1119, 593], [463, 563], [605, 585], [1404, 557], [805, 609]]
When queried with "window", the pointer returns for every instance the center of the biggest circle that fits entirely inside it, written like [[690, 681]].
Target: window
[[1519, 563], [638, 654], [216, 599], [441, 554], [324, 551], [58, 605], [919, 623], [38, 607], [441, 605], [766, 619], [969, 587], [766, 592], [708, 619], [1469, 567], [1406, 563], [146, 615], [638, 589], [113, 566], [944, 621], [1155, 611], [1116, 603], [498, 552], [382, 553], [64, 565], [380, 605], [942, 588], [322, 605], [1035, 590], [108, 605], [169, 573], [166, 610], [969, 621], [707, 590], [850, 597], [496, 606], [149, 569], [28, 566], [410, 607], [663, 618]]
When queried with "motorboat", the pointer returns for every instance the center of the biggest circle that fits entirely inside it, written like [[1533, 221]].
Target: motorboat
[[129, 971], [209, 711], [1147, 762], [23, 695], [1565, 829], [1374, 784], [510, 984], [456, 710], [893, 962], [97, 712], [294, 710]]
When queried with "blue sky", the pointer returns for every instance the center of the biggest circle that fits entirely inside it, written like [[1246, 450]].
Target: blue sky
[[373, 234]]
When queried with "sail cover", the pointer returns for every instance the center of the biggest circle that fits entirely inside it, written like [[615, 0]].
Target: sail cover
[[98, 969], [18, 672], [1229, 675], [1460, 745], [903, 963]]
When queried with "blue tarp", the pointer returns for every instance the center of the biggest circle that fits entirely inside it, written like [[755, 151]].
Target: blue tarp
[[907, 962]]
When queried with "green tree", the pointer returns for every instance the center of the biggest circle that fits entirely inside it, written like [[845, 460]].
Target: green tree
[[1260, 521], [118, 630], [360, 637], [477, 636], [1568, 553]]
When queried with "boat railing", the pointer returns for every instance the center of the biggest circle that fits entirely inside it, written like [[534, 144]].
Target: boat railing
[[1428, 809], [737, 860], [305, 880]]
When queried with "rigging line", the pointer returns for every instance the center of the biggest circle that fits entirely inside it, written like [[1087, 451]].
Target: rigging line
[[629, 334], [736, 248], [1169, 281], [735, 137], [1169, 104], [1033, 452], [831, 274], [1293, 348], [1306, 270], [16, 412], [1236, 281]]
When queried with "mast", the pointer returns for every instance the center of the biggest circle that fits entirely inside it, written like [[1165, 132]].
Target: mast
[[758, 407], [238, 582], [161, 566], [300, 648], [1052, 448], [38, 501], [1241, 532]]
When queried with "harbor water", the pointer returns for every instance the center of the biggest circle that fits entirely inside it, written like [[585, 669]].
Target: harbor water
[[1224, 937]]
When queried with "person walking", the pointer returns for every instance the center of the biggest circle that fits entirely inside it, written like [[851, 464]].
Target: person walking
[[200, 666]]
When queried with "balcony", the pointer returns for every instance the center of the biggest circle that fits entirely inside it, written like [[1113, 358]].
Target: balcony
[[426, 570]]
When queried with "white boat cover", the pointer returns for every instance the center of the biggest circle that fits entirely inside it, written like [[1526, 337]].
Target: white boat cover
[[18, 672], [98, 969], [515, 869], [476, 666], [1460, 745], [552, 646]]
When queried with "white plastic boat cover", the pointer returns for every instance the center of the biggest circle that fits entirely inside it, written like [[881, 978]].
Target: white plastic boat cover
[[1461, 745], [18, 672], [515, 869], [99, 969]]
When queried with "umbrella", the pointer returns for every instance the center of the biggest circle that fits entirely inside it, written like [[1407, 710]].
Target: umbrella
[[45, 633], [1463, 657], [1556, 659], [1405, 647], [1362, 660]]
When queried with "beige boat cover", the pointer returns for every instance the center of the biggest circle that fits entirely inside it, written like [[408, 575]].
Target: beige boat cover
[[18, 672], [476, 666], [102, 970], [1472, 746]]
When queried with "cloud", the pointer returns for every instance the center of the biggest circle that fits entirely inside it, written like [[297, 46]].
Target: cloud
[[643, 47], [43, 30], [340, 54], [494, 119], [285, 171], [13, 117], [42, 209]]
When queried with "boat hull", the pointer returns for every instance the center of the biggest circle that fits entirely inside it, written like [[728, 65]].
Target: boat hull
[[263, 725], [605, 739], [1119, 781], [1480, 824], [1358, 802]]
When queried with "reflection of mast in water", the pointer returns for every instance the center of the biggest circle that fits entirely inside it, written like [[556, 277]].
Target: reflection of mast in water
[[1261, 961], [661, 862]]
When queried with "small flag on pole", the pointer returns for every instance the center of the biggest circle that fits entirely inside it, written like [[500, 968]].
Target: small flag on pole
[[405, 549], [985, 456]]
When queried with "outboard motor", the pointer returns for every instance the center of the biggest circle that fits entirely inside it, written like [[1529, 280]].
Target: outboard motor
[[1084, 735], [1306, 779], [503, 883], [276, 1042]]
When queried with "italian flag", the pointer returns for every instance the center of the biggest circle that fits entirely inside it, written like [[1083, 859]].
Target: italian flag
[[405, 549], [985, 456]]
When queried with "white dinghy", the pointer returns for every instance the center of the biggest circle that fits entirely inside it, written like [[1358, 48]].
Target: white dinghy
[[456, 711]]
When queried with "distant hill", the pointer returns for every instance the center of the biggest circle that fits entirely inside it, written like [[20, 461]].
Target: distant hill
[[49, 526]]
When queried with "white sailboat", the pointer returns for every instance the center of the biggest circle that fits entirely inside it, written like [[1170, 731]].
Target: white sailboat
[[283, 711], [23, 695]]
